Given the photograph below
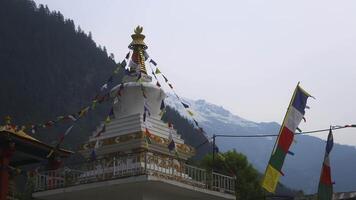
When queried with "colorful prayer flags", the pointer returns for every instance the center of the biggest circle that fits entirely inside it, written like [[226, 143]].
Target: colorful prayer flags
[[294, 115], [325, 189]]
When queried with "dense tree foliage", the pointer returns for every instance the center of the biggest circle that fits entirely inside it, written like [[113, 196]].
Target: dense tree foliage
[[48, 68], [235, 164]]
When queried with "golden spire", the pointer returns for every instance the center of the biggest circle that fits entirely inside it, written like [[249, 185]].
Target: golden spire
[[137, 39], [138, 46]]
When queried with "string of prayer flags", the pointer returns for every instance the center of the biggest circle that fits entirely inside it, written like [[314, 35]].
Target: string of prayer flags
[[292, 119], [186, 106], [98, 99], [325, 188]]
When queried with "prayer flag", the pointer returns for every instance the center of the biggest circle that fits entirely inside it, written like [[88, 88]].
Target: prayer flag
[[170, 85], [153, 62], [71, 117], [127, 55], [271, 179], [190, 112], [325, 189], [165, 79], [158, 84], [107, 120], [157, 71], [84, 111], [196, 123], [185, 105], [294, 116]]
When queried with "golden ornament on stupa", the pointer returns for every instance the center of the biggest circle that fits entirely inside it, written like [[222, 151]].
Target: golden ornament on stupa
[[137, 39]]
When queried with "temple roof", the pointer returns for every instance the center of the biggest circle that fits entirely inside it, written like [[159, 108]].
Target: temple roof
[[28, 149]]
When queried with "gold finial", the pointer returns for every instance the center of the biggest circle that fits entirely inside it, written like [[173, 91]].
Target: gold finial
[[137, 39], [138, 30]]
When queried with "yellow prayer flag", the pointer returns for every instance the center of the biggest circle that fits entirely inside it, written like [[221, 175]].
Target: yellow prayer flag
[[107, 120], [271, 178], [157, 71], [190, 112]]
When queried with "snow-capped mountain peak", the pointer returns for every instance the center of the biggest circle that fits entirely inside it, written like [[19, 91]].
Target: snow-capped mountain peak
[[205, 112]]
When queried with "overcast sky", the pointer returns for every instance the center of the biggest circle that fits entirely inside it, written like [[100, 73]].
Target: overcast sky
[[244, 55]]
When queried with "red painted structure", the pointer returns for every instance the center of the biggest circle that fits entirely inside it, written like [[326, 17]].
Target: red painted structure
[[18, 149]]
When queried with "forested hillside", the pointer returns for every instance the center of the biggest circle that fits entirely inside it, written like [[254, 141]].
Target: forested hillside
[[50, 67]]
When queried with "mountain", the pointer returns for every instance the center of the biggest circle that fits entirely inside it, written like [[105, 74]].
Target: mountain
[[301, 171]]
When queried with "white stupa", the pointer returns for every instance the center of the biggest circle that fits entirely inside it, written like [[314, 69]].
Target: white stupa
[[133, 160], [127, 132]]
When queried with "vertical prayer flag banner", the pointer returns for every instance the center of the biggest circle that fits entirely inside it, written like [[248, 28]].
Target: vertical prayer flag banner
[[325, 189], [292, 119]]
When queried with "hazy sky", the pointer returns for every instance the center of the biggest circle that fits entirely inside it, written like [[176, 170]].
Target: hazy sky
[[244, 55]]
